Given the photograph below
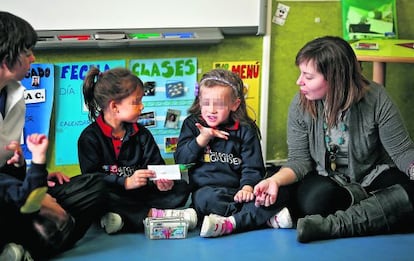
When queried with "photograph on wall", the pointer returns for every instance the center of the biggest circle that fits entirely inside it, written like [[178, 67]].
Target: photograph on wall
[[369, 19], [172, 119], [174, 89], [149, 88], [148, 119], [170, 144], [39, 95], [169, 94], [35, 80]]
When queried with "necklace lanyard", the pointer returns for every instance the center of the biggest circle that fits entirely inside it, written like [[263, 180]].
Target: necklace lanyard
[[331, 146]]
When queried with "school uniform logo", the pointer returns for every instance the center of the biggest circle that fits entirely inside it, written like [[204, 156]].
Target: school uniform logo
[[229, 158], [119, 171]]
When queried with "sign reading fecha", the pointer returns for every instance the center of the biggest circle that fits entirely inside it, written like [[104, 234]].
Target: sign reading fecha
[[70, 111], [39, 83]]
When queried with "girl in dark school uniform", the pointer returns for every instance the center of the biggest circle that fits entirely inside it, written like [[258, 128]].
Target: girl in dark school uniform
[[224, 144], [115, 145]]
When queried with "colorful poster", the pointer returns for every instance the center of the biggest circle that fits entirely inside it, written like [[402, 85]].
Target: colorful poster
[[39, 83], [71, 113], [169, 92], [249, 72]]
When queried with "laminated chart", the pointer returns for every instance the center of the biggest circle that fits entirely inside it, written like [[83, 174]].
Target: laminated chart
[[169, 93]]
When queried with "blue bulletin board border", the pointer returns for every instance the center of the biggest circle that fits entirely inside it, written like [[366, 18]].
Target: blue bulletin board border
[[39, 86]]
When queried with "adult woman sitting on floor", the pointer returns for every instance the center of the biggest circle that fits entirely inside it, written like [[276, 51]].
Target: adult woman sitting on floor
[[350, 158]]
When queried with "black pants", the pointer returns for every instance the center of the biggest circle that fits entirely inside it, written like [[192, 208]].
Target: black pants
[[220, 201], [83, 198], [317, 194]]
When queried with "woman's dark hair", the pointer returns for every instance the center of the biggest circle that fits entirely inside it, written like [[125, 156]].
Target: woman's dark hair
[[334, 58]]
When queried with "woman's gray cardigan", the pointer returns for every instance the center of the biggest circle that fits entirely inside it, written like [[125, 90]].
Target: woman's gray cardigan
[[378, 138]]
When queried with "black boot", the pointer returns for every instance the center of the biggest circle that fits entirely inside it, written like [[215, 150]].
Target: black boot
[[357, 192], [375, 215]]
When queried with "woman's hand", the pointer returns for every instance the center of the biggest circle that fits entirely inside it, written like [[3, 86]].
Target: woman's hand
[[266, 192]]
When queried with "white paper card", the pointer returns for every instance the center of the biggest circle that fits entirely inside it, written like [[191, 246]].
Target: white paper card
[[171, 172]]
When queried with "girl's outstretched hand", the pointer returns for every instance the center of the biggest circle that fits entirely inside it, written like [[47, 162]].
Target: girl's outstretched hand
[[266, 192], [206, 134], [37, 144]]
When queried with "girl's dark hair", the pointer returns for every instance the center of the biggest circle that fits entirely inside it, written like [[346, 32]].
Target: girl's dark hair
[[99, 88], [334, 58], [229, 79], [16, 36]]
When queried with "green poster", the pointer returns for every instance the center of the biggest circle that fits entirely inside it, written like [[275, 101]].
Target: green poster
[[369, 19]]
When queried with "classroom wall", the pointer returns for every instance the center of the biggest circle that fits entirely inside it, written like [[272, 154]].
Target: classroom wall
[[233, 48], [285, 42]]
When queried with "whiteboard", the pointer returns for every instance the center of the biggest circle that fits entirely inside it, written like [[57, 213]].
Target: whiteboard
[[132, 14]]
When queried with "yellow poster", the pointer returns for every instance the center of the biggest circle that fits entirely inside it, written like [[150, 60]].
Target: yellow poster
[[249, 72]]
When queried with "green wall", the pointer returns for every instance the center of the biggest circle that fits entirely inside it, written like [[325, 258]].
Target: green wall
[[285, 42]]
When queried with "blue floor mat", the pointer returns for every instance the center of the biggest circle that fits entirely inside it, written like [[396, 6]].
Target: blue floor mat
[[266, 244]]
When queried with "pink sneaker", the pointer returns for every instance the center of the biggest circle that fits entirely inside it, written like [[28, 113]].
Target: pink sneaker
[[282, 219], [215, 226]]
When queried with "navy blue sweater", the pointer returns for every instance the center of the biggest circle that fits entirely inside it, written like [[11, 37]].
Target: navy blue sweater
[[15, 186], [231, 163], [98, 151]]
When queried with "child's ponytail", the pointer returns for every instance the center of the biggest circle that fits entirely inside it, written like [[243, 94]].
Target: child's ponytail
[[89, 84]]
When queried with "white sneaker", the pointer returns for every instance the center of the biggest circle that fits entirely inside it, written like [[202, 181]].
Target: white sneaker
[[15, 252], [189, 215], [282, 219], [215, 226], [111, 222]]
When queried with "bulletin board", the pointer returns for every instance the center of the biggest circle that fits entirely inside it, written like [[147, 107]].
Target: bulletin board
[[169, 92], [249, 72], [243, 48], [70, 111], [39, 84]]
